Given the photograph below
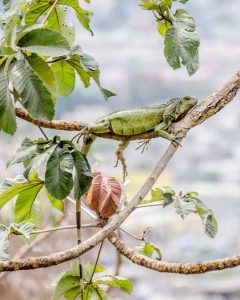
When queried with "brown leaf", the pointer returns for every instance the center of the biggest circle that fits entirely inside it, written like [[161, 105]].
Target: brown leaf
[[104, 195]]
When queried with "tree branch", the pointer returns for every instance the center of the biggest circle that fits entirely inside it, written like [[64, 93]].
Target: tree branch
[[207, 108], [180, 268]]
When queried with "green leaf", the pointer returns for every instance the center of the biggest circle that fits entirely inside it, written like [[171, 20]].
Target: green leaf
[[34, 95], [106, 93], [88, 270], [55, 202], [25, 152], [24, 203], [65, 77], [83, 176], [184, 208], [10, 6], [57, 21], [58, 176], [4, 244], [64, 285], [8, 182], [44, 72], [44, 42], [181, 1], [211, 226], [10, 30], [118, 282], [40, 159], [6, 51], [148, 249], [35, 12], [7, 112], [15, 190], [82, 14], [23, 228], [182, 42], [99, 292], [72, 293], [163, 27], [75, 63]]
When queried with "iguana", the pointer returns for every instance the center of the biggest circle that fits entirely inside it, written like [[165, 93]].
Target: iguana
[[157, 118]]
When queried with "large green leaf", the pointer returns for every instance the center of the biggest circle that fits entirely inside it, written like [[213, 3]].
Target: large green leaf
[[4, 244], [24, 203], [44, 42], [10, 30], [7, 113], [44, 72], [34, 95], [58, 176], [15, 190], [182, 42], [82, 14], [25, 152], [65, 77], [57, 21], [36, 11], [83, 176]]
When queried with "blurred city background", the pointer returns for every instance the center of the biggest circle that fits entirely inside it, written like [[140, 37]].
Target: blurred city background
[[130, 52]]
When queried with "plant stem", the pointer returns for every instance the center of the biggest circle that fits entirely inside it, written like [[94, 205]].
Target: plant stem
[[50, 11], [95, 266], [79, 240]]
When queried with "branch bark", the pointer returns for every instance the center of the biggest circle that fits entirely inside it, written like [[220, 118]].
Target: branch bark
[[180, 268], [208, 107]]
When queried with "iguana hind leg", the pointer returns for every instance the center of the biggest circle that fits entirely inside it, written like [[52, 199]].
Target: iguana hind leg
[[120, 157]]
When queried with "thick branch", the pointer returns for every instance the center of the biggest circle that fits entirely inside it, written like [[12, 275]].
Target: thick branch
[[201, 113], [180, 268], [208, 107]]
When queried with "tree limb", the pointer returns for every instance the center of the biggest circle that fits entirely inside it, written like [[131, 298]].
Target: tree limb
[[180, 268], [207, 108]]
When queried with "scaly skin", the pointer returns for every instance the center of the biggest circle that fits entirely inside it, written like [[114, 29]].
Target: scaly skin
[[140, 120]]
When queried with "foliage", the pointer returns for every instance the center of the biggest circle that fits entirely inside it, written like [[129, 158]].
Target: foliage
[[178, 30], [68, 284], [184, 204]]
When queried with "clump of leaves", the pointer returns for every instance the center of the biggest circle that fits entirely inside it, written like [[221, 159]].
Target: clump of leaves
[[184, 204], [179, 32], [68, 284]]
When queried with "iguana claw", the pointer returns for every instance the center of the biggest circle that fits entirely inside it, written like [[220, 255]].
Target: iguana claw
[[144, 145]]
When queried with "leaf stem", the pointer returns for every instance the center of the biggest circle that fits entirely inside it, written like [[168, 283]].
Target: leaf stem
[[50, 11], [95, 266]]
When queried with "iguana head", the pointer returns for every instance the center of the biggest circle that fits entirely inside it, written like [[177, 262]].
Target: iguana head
[[182, 106]]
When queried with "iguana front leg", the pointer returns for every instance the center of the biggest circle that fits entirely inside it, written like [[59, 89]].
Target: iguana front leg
[[120, 157], [166, 135], [87, 143]]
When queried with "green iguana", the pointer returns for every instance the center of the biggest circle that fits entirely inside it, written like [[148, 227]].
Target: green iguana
[[157, 118]]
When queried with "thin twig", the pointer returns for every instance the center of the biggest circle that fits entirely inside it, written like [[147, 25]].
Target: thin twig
[[83, 207], [131, 235], [44, 134], [148, 205], [95, 266]]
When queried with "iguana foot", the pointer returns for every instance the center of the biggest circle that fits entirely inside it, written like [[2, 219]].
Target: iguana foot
[[121, 158], [144, 145]]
